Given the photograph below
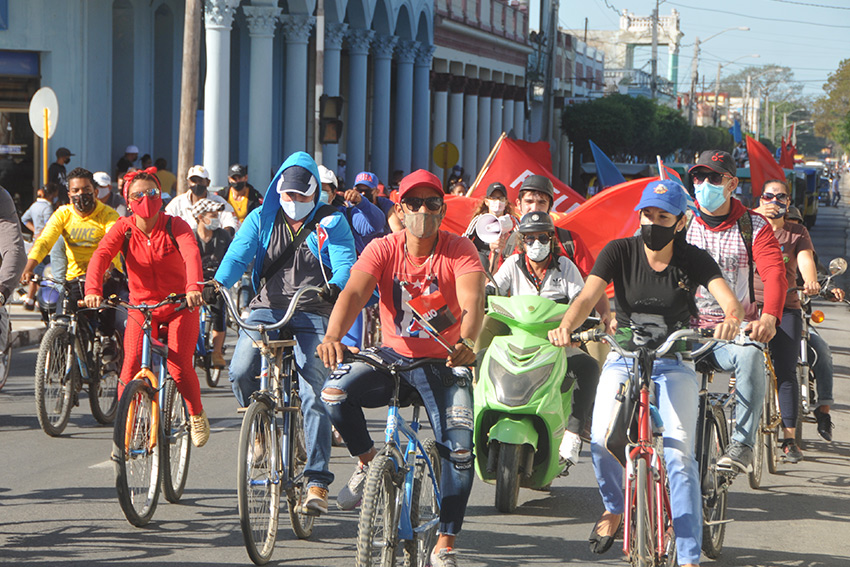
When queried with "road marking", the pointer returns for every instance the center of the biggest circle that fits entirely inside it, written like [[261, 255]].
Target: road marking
[[104, 465]]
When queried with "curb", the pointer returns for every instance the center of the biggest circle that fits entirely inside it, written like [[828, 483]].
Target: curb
[[26, 337]]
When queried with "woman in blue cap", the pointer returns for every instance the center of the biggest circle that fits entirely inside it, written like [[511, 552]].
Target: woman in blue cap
[[655, 276]]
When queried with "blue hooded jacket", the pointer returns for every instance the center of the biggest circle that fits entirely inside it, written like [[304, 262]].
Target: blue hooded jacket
[[252, 239]]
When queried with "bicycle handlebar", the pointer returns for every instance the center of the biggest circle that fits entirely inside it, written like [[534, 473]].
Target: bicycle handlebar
[[114, 300], [701, 335], [261, 328], [394, 366]]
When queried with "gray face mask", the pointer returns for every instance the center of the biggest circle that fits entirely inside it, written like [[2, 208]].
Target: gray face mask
[[422, 225]]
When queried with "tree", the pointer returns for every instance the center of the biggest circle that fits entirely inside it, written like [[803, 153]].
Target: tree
[[832, 111]]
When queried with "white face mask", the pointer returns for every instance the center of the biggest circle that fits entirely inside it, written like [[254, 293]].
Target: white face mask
[[496, 206], [296, 210], [214, 224], [537, 252], [102, 192]]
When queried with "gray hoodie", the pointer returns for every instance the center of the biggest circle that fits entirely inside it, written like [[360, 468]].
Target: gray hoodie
[[13, 258]]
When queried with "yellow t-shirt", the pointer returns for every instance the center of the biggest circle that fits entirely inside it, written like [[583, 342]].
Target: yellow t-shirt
[[166, 180], [240, 207], [81, 234]]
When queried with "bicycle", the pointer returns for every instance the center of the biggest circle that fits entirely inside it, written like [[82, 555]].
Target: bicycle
[[151, 416], [69, 357], [648, 537], [401, 496], [204, 348], [272, 450]]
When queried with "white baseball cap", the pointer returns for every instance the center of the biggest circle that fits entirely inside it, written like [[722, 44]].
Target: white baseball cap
[[327, 176], [131, 150], [198, 171], [102, 178], [340, 157]]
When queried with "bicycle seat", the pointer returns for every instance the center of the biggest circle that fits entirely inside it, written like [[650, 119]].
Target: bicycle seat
[[159, 348], [162, 332], [706, 364], [409, 396]]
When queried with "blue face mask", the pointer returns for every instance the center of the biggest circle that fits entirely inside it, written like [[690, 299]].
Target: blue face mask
[[710, 197], [324, 198], [296, 210]]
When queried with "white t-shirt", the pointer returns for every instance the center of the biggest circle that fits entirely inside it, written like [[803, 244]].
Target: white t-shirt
[[560, 282], [181, 206]]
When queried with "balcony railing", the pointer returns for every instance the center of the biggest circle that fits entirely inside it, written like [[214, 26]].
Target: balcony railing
[[498, 17]]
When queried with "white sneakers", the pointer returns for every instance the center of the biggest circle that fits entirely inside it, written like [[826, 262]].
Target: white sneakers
[[570, 447]]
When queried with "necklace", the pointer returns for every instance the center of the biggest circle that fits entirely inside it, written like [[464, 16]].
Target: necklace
[[429, 261]]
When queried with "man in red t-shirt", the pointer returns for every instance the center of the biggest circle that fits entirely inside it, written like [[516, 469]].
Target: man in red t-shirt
[[421, 264]]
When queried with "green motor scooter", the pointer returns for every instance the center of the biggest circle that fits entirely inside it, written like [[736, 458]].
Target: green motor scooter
[[520, 411]]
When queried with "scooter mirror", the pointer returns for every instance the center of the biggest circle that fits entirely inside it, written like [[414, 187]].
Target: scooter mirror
[[837, 266]]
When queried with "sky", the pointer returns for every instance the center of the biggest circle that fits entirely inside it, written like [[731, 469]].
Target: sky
[[810, 36]]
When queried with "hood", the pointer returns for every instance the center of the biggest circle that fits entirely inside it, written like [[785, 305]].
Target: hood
[[271, 202], [737, 209]]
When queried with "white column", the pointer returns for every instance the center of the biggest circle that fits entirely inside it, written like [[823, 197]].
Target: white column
[[296, 31], [454, 128], [218, 16], [441, 116], [358, 53], [405, 53], [470, 127], [334, 34], [261, 25], [496, 113], [519, 112], [508, 109], [422, 142], [382, 58], [483, 123]]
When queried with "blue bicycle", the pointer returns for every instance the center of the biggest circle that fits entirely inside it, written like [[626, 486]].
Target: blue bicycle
[[401, 498], [204, 348]]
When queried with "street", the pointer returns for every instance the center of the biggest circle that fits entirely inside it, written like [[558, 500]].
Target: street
[[58, 501]]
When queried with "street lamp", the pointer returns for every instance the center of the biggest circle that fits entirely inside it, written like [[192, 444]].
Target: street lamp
[[695, 67], [717, 82]]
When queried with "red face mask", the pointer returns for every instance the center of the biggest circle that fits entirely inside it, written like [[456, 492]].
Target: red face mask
[[146, 207]]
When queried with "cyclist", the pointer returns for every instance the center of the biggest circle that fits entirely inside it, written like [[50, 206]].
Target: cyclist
[[213, 242], [822, 367], [797, 251], [199, 183], [421, 261], [655, 276], [153, 241], [280, 237], [35, 218], [82, 224], [12, 259], [240, 194], [538, 269], [740, 242]]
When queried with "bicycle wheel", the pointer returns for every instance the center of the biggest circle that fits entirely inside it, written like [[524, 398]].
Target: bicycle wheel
[[258, 488], [137, 462], [772, 421], [507, 476], [424, 508], [714, 493], [53, 383], [176, 445], [754, 476], [642, 539], [6, 359], [302, 524], [377, 532], [103, 390]]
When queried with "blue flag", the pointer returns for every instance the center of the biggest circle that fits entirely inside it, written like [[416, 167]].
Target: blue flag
[[606, 171], [735, 130]]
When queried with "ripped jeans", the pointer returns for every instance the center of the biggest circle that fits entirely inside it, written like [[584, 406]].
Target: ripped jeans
[[449, 410]]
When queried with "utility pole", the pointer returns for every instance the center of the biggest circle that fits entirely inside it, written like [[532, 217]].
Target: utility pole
[[716, 94], [653, 81], [320, 81], [694, 72], [188, 91], [549, 80], [747, 116]]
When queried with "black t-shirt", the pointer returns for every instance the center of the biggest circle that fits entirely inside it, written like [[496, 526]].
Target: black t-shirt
[[213, 251], [651, 305]]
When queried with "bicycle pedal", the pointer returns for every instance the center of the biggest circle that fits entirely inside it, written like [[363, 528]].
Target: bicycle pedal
[[309, 511]]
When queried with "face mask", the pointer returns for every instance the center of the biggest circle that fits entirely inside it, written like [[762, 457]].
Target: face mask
[[83, 202], [710, 197], [422, 225], [537, 252], [102, 192], [367, 195], [496, 206], [198, 190], [214, 224], [146, 207], [295, 209], [783, 208], [656, 236], [239, 185], [324, 197]]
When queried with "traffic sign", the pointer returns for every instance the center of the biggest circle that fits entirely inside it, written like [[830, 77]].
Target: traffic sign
[[44, 98], [445, 155]]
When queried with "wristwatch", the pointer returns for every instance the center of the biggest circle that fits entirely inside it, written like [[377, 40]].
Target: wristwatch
[[468, 343]]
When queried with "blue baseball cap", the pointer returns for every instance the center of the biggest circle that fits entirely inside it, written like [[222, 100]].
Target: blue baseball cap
[[664, 194], [366, 178]]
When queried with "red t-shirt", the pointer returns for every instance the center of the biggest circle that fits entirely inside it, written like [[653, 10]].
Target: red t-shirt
[[400, 280]]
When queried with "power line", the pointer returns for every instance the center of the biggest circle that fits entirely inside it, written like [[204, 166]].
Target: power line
[[813, 5], [716, 11]]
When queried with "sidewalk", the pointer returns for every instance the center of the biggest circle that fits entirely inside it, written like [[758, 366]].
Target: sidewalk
[[27, 327]]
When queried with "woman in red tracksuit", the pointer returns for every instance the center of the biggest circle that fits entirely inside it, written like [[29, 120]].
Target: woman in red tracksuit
[[156, 269]]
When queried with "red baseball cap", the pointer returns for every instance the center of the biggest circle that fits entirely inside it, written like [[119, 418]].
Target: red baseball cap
[[420, 178]]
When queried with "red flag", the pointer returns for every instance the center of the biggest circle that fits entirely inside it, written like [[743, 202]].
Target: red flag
[[515, 160], [459, 211], [321, 236], [786, 157], [762, 166]]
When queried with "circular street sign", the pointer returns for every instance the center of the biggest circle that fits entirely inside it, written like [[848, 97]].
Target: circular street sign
[[445, 155], [44, 98]]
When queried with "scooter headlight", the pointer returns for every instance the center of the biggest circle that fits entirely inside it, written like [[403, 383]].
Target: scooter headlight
[[517, 389]]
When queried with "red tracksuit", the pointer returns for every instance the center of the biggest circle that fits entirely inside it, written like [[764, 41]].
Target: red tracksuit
[[156, 269]]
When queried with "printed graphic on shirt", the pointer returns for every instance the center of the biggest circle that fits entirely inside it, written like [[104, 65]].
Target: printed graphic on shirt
[[406, 288], [432, 312]]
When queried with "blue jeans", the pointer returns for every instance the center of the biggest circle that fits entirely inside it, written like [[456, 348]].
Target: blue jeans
[[308, 330], [750, 383], [449, 410], [677, 398], [822, 368]]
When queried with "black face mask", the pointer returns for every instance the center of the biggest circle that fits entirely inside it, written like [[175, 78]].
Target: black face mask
[[367, 195], [238, 185], [656, 236], [198, 190], [83, 202]]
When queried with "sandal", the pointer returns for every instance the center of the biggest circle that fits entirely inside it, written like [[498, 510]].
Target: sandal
[[599, 543]]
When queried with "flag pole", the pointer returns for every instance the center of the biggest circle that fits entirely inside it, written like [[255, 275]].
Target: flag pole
[[661, 173], [487, 163]]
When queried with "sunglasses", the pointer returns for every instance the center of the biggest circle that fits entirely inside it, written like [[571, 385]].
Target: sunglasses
[[543, 239], [152, 192], [781, 197], [415, 203], [713, 177]]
